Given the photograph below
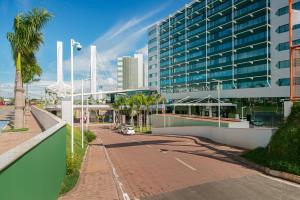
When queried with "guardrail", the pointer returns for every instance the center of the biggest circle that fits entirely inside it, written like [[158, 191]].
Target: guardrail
[[34, 170]]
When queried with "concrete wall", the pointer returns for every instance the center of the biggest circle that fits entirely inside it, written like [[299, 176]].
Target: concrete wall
[[240, 137], [45, 119], [34, 170]]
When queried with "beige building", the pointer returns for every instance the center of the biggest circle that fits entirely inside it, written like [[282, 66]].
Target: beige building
[[131, 72]]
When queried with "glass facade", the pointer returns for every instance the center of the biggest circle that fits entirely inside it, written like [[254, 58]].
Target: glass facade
[[209, 41], [153, 77]]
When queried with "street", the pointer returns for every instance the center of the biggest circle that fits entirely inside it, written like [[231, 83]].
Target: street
[[164, 167]]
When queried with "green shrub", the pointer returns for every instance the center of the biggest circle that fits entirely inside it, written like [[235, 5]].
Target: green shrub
[[283, 151], [90, 135], [73, 165]]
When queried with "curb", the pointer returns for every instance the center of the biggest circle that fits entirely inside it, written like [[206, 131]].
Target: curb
[[271, 172]]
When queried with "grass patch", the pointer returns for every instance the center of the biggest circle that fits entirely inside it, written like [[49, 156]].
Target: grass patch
[[73, 165], [143, 130], [14, 130], [283, 151]]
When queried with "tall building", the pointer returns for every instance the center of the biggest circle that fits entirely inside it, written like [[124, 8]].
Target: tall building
[[130, 72], [243, 44], [153, 57]]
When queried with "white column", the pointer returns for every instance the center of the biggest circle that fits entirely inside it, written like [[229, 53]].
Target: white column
[[93, 70], [72, 100], [232, 43], [82, 113], [59, 57], [267, 13], [87, 115], [185, 45], [210, 111]]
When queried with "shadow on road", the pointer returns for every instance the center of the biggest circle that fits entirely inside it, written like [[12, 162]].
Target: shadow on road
[[141, 143]]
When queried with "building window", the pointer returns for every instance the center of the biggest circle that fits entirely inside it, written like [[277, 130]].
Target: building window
[[285, 45], [152, 49], [285, 28], [152, 32], [152, 66], [284, 82], [283, 64], [285, 10]]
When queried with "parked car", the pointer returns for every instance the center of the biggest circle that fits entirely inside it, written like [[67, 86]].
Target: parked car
[[128, 130]]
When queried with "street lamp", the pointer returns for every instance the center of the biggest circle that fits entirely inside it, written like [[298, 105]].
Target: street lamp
[[78, 47], [219, 101], [82, 132]]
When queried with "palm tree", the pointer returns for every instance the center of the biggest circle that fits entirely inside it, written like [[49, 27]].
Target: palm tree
[[150, 100], [131, 106], [139, 101], [25, 42], [122, 101]]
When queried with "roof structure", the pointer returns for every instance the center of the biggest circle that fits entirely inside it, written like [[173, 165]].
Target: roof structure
[[207, 101]]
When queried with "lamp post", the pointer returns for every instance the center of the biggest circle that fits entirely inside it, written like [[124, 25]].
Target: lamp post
[[87, 114], [219, 102], [81, 113], [78, 47]]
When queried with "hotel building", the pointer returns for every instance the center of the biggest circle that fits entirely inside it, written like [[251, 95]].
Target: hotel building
[[243, 44]]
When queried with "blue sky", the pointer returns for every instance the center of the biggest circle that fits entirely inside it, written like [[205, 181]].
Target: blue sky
[[116, 27]]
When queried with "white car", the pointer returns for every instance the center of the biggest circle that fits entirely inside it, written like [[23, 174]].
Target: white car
[[128, 130]]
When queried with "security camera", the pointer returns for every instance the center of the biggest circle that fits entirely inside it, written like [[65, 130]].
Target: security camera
[[78, 47]]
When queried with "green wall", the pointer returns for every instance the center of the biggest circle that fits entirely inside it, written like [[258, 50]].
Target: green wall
[[38, 174]]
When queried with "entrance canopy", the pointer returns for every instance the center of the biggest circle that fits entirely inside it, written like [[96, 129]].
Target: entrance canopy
[[208, 101]]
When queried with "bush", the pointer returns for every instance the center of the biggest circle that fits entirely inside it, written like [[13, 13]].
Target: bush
[[72, 164], [283, 151], [90, 136]]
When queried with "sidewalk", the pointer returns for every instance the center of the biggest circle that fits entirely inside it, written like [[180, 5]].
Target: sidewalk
[[96, 177], [9, 140]]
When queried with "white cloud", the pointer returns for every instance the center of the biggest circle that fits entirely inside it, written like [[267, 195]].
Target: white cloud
[[116, 42], [122, 38]]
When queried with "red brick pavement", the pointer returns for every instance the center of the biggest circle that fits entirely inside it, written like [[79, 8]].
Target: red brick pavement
[[9, 140], [151, 165]]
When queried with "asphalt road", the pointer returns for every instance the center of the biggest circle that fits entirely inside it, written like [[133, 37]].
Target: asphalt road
[[171, 168]]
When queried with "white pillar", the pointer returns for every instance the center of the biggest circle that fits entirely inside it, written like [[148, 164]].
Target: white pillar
[[190, 110], [114, 116], [93, 81], [81, 113], [72, 100], [87, 115], [210, 111], [59, 57]]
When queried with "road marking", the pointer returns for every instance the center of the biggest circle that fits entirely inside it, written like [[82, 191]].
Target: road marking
[[149, 146], [185, 164], [280, 180], [116, 176]]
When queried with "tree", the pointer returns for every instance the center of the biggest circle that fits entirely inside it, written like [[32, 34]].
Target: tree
[[139, 100], [122, 102], [116, 108], [25, 41], [150, 100], [130, 106]]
